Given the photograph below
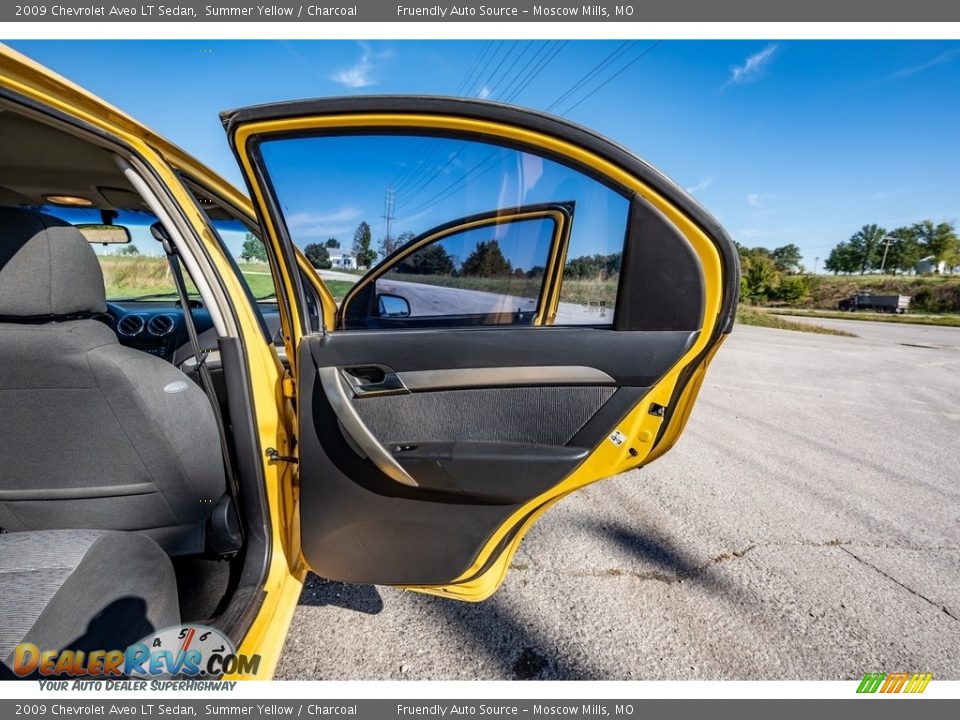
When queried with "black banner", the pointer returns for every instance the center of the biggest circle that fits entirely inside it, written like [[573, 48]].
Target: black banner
[[213, 708], [473, 11]]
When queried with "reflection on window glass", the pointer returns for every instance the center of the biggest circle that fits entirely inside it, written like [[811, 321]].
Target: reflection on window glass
[[497, 269], [350, 201]]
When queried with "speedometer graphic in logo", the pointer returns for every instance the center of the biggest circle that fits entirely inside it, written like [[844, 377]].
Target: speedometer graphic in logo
[[181, 651]]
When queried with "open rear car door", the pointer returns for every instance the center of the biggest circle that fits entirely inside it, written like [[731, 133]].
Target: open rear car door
[[542, 317]]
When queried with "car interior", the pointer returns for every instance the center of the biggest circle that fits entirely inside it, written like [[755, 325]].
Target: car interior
[[119, 514]]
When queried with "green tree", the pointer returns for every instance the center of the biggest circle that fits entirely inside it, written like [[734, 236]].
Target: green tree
[[904, 250], [333, 243], [787, 258], [253, 249], [318, 255], [760, 278], [593, 267], [128, 250], [389, 244], [939, 240], [867, 245], [842, 259], [486, 260], [793, 289], [430, 260], [361, 245]]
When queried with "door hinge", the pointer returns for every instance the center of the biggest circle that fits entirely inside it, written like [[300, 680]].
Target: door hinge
[[275, 457]]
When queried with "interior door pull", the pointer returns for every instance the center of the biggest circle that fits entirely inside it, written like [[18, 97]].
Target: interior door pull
[[336, 391], [386, 383]]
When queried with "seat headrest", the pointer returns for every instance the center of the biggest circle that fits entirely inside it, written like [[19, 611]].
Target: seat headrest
[[47, 268]]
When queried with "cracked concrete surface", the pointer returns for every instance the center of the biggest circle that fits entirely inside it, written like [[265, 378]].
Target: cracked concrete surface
[[807, 526]]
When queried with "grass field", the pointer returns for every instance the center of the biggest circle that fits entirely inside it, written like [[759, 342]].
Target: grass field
[[946, 320], [931, 294], [134, 276], [338, 288], [762, 318]]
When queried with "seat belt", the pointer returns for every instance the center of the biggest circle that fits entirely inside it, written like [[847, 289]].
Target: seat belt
[[206, 380]]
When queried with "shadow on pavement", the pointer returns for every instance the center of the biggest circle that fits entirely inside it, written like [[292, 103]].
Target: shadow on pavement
[[360, 598], [519, 649], [661, 560]]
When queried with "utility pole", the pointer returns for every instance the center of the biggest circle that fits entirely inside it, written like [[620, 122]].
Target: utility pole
[[388, 217], [816, 261], [886, 248]]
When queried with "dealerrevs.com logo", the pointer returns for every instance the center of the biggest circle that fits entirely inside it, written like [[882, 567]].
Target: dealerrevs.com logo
[[180, 651], [901, 682]]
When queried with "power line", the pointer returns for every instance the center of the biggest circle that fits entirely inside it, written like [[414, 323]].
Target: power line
[[599, 67], [506, 73], [612, 77], [484, 166], [465, 83], [536, 70], [416, 166], [409, 193]]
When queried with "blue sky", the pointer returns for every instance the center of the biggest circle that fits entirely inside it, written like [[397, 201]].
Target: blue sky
[[327, 185], [784, 141]]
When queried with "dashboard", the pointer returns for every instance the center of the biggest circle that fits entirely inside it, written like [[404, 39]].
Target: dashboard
[[158, 327]]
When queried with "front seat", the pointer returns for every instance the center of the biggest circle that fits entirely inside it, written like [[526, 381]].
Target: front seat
[[92, 434]]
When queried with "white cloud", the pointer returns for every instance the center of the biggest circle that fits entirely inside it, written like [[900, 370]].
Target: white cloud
[[360, 74], [484, 93], [942, 58], [754, 200], [752, 67], [310, 225], [700, 186]]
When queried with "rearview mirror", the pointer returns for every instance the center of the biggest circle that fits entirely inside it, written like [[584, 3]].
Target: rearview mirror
[[104, 234], [393, 306]]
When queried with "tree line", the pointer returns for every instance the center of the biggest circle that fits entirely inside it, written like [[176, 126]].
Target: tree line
[[772, 275], [875, 249], [485, 260]]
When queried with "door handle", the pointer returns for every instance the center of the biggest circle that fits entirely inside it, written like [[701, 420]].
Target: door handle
[[373, 380], [334, 386]]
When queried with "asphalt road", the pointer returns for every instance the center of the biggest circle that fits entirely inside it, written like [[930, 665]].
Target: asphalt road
[[806, 526], [426, 300], [932, 336]]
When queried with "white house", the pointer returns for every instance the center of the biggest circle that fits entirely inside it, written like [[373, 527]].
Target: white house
[[930, 266], [343, 260]]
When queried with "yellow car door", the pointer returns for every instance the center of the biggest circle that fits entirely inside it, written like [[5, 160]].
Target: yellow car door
[[477, 374]]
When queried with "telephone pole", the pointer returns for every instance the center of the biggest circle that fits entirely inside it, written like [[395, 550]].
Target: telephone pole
[[388, 218]]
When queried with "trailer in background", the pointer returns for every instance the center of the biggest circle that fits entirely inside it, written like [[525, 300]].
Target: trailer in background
[[898, 304]]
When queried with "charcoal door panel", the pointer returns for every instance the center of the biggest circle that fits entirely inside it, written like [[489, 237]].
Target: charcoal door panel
[[478, 453]]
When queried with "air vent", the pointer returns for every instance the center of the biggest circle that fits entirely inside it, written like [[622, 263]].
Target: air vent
[[130, 325], [161, 325]]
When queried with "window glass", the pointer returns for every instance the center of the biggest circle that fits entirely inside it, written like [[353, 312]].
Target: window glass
[[248, 254], [350, 201], [137, 270], [492, 270]]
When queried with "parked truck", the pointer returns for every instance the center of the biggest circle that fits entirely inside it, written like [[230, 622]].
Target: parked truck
[[898, 304]]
